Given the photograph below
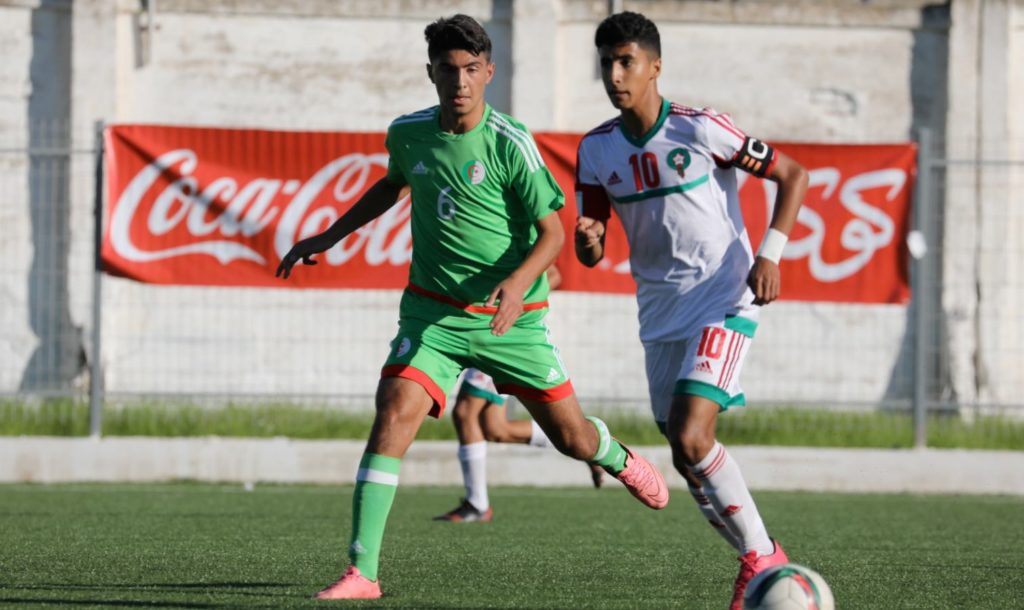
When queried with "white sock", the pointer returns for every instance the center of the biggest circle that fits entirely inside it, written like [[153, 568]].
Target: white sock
[[537, 436], [725, 487], [711, 516], [473, 459]]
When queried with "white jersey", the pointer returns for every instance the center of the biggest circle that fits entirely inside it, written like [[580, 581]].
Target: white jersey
[[675, 192]]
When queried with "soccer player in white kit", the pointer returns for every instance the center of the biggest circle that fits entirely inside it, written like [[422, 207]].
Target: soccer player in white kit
[[669, 171]]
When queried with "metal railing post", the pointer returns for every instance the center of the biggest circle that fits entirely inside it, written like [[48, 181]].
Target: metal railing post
[[95, 367], [919, 286]]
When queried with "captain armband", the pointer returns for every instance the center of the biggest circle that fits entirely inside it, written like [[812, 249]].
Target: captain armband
[[755, 157]]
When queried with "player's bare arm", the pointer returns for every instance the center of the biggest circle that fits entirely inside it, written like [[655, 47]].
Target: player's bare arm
[[374, 202], [509, 293], [764, 278], [554, 277], [589, 240]]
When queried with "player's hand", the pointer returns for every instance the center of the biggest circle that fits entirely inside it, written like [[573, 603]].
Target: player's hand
[[509, 297], [303, 251], [589, 232], [765, 281]]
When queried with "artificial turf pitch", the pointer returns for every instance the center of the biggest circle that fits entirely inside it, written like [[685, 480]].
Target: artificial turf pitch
[[219, 546]]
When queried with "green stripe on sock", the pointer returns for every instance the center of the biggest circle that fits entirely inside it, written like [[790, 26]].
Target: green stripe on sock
[[371, 503], [610, 455]]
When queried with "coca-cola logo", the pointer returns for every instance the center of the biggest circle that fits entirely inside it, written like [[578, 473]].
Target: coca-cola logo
[[198, 212], [220, 218]]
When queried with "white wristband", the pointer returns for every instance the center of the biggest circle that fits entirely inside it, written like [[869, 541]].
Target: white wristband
[[772, 246]]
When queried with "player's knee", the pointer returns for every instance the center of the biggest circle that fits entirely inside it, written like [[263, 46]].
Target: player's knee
[[462, 411], [690, 445], [387, 419]]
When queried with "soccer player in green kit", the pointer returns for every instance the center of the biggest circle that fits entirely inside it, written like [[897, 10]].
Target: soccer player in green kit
[[484, 230]]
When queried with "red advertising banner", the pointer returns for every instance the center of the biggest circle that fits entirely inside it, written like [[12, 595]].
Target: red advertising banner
[[207, 206]]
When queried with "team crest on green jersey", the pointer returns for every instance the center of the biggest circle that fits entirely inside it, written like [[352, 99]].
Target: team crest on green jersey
[[473, 172], [678, 159]]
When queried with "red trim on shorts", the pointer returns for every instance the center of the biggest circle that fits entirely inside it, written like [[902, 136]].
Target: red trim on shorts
[[730, 356], [735, 360], [423, 292], [538, 394], [414, 374]]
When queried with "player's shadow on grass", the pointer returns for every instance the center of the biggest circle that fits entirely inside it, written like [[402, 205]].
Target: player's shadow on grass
[[231, 588], [103, 602]]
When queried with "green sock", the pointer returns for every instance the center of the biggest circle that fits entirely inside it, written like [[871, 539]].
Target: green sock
[[376, 484], [611, 455]]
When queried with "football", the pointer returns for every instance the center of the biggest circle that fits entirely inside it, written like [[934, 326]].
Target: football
[[789, 586]]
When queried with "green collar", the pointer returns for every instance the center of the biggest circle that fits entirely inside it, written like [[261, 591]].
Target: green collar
[[458, 136], [666, 106]]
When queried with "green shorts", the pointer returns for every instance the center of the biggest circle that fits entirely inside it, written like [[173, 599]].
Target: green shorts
[[436, 341]]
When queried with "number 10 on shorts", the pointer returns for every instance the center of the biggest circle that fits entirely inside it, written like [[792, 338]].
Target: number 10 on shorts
[[719, 358]]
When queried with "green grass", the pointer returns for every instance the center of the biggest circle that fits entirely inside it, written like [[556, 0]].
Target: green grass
[[207, 546], [750, 426]]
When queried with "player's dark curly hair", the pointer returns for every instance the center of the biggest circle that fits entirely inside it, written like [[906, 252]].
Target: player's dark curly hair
[[626, 27], [458, 32]]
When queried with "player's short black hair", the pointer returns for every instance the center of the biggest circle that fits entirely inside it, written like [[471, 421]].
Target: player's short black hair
[[458, 32], [627, 27]]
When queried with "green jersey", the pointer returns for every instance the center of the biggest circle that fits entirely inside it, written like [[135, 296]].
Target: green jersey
[[475, 199]]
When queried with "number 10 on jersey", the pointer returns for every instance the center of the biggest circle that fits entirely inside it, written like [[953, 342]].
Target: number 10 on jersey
[[645, 171]]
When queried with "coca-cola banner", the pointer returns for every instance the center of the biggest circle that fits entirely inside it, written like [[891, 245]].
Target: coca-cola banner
[[205, 206]]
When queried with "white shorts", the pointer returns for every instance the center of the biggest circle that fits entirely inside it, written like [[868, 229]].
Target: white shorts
[[477, 383], [707, 364]]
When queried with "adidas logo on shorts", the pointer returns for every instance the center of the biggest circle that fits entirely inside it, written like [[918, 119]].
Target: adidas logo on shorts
[[703, 367], [553, 375]]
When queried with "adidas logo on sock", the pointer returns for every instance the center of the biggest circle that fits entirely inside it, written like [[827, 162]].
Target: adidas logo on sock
[[731, 510]]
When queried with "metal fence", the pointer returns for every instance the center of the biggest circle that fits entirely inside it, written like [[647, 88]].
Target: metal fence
[[46, 267], [969, 336], [69, 331]]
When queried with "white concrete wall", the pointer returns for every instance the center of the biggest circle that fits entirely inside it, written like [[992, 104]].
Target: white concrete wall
[[254, 461], [16, 338], [38, 342], [984, 210], [835, 72]]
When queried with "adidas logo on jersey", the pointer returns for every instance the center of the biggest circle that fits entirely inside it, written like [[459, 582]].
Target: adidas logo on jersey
[[614, 179], [419, 168], [553, 375], [703, 367]]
